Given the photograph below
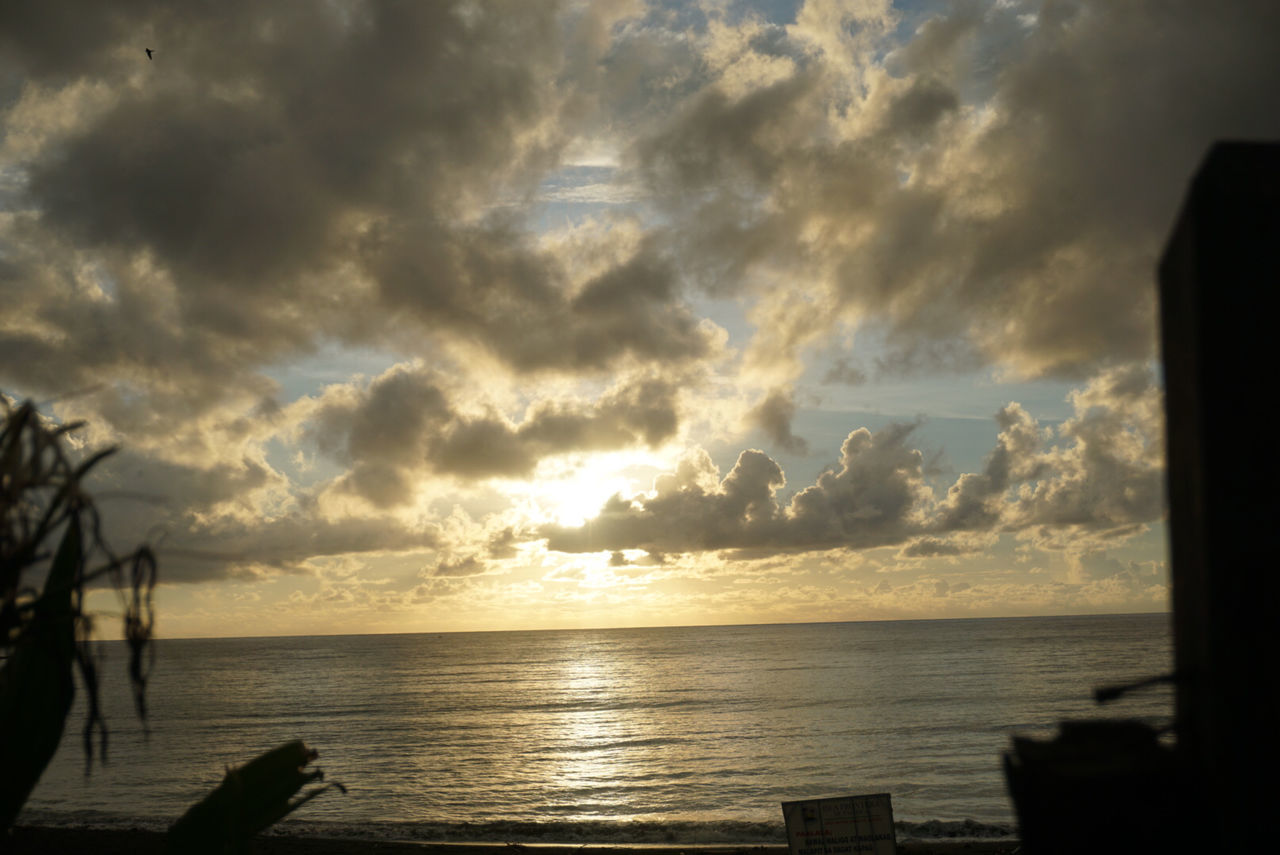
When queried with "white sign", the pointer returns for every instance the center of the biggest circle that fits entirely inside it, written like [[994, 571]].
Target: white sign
[[848, 825]]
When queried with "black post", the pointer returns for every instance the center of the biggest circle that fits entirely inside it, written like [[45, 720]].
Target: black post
[[1220, 329]]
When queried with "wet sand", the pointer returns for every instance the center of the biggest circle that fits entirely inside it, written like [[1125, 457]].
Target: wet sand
[[71, 841]]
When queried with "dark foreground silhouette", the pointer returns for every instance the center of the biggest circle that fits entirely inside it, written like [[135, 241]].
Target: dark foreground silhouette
[[1113, 786]]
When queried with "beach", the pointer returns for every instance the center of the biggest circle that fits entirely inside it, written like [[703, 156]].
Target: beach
[[77, 841]]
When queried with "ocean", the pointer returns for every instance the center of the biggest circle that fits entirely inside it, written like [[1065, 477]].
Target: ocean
[[664, 735]]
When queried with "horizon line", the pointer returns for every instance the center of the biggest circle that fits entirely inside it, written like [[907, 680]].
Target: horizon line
[[1167, 612]]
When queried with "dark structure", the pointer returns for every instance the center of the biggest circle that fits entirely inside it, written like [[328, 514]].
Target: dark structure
[[1112, 785], [1219, 302]]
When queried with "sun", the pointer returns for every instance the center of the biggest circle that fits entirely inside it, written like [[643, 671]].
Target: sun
[[571, 489]]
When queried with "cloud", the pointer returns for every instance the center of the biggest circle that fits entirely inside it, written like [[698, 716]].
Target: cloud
[[405, 426], [986, 186], [976, 501], [279, 176], [871, 500], [228, 547], [991, 187], [683, 515], [932, 547], [994, 191], [1109, 476], [480, 287], [1099, 475], [213, 520], [128, 474], [460, 567], [773, 415]]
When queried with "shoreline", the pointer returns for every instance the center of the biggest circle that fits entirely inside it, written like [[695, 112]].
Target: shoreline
[[28, 840]]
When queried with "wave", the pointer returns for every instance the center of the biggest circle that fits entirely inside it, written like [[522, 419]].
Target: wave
[[659, 833]]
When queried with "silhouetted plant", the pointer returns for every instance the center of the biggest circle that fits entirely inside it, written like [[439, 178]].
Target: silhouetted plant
[[250, 798], [45, 633]]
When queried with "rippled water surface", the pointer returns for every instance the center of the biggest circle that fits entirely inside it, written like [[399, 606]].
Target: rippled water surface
[[609, 729]]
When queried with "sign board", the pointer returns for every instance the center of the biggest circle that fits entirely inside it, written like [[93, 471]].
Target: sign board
[[848, 825]]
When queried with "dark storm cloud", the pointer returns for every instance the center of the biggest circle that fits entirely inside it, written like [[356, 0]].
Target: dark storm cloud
[[1100, 474], [404, 427], [1005, 185]]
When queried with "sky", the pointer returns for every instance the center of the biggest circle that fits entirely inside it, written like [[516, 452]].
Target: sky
[[428, 316]]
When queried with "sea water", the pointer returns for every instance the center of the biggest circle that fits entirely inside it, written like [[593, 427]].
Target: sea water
[[683, 735]]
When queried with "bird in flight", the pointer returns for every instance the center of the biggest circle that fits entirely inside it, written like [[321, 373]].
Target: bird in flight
[[148, 53]]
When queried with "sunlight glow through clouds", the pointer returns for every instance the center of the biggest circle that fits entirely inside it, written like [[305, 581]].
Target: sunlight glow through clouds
[[410, 291], [571, 490]]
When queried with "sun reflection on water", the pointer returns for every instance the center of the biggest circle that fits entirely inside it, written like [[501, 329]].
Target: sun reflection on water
[[602, 739]]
